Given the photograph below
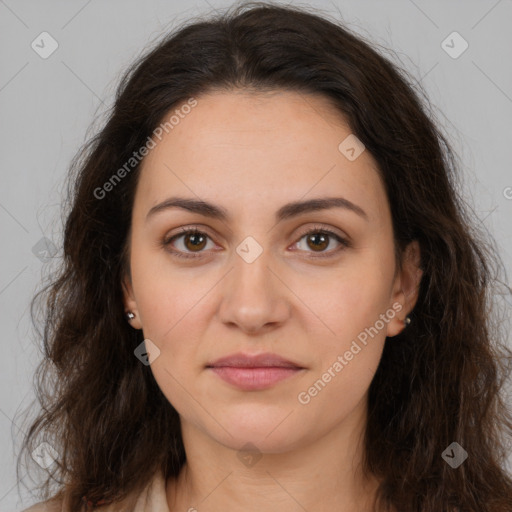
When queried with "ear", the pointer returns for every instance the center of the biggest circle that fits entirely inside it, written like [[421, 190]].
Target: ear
[[129, 301], [406, 287]]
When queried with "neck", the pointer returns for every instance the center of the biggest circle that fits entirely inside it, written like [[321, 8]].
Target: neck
[[323, 474]]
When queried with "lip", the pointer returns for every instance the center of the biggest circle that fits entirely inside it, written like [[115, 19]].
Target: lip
[[241, 360], [254, 372]]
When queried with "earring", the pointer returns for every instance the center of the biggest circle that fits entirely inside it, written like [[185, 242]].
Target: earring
[[130, 315], [407, 320]]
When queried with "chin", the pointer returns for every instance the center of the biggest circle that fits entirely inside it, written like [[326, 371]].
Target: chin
[[268, 432]]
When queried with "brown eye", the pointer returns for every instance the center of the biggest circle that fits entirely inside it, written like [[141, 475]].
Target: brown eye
[[193, 243], [318, 241], [196, 240]]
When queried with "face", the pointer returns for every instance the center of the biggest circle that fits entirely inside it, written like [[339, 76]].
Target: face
[[254, 281]]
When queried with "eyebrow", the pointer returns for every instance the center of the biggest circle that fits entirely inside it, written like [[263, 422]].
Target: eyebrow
[[287, 211]]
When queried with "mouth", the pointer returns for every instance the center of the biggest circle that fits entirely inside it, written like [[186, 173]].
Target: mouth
[[254, 372]]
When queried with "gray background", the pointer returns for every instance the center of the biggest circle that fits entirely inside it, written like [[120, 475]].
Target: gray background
[[47, 106]]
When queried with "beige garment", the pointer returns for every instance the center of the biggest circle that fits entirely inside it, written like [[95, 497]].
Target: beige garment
[[152, 499]]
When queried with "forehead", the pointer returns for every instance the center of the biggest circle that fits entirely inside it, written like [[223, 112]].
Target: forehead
[[252, 149]]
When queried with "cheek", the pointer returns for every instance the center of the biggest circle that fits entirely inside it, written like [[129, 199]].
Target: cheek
[[356, 311], [350, 303], [338, 390], [175, 323], [347, 360], [167, 297], [348, 342]]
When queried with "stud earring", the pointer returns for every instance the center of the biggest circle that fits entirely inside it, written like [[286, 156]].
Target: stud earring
[[407, 320], [130, 315]]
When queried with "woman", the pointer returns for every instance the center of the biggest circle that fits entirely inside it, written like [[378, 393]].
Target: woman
[[272, 296]]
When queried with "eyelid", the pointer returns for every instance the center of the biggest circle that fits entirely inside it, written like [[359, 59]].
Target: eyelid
[[323, 229]]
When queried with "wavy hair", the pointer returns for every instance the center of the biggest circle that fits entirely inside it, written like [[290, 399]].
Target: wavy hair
[[439, 381]]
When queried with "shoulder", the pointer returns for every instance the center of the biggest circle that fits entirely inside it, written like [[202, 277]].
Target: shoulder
[[152, 499]]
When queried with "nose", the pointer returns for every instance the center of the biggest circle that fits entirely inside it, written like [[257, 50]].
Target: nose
[[254, 298]]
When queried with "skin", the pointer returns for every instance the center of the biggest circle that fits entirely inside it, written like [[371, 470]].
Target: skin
[[252, 153]]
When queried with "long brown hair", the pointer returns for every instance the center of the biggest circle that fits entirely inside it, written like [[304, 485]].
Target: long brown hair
[[440, 381]]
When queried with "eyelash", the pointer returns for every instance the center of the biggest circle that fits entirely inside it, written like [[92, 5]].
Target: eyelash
[[315, 230]]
